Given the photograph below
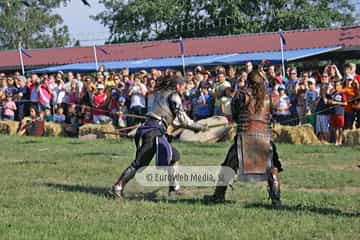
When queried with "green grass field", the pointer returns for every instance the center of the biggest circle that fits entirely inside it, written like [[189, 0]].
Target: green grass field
[[54, 189]]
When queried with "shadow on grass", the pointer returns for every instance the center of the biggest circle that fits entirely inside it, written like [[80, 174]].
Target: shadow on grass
[[94, 154], [30, 142], [141, 196], [26, 162], [300, 208], [98, 191]]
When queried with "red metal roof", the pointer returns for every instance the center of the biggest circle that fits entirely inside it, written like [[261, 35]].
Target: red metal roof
[[297, 39]]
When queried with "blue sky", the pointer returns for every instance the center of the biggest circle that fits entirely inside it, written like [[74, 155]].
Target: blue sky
[[89, 32], [76, 17]]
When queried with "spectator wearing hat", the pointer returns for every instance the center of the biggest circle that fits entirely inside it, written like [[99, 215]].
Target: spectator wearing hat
[[311, 97], [339, 101], [282, 107], [99, 101], [9, 108], [350, 89]]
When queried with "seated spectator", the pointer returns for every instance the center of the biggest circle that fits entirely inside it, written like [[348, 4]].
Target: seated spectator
[[9, 108], [85, 114], [282, 108], [32, 126], [48, 117], [59, 116], [72, 121], [338, 100]]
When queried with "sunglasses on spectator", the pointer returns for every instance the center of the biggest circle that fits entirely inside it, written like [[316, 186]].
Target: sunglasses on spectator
[[293, 73]]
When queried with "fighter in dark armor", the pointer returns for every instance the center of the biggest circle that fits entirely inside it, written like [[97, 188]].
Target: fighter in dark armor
[[253, 155], [151, 137]]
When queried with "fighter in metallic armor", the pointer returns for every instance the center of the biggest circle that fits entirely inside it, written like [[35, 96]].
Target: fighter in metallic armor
[[151, 137], [253, 155]]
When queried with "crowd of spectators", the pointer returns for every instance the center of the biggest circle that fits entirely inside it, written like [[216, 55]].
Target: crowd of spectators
[[325, 98]]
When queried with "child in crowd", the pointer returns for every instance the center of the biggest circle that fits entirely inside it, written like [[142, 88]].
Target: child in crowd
[[311, 97], [9, 108], [122, 110], [48, 117], [338, 100], [282, 108], [86, 116], [59, 117]]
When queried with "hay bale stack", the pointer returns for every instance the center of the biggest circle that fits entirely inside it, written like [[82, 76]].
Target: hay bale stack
[[212, 135], [54, 129], [9, 127], [105, 131], [303, 134], [352, 137]]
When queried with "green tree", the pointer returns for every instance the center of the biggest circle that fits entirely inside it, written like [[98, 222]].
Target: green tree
[[140, 20], [33, 24]]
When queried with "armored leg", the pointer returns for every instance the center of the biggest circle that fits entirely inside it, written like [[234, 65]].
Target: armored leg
[[274, 187], [220, 191], [174, 186], [143, 157]]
